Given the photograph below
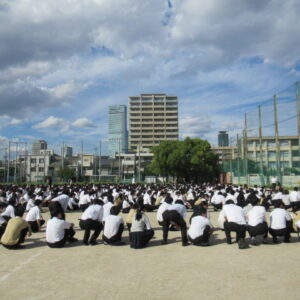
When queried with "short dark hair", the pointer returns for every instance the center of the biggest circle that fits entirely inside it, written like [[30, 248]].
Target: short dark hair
[[114, 210], [19, 211]]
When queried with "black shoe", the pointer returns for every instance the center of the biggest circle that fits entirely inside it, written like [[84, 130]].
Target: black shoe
[[164, 242], [93, 243], [120, 243], [242, 244], [72, 240], [275, 241], [253, 241], [185, 244], [204, 244], [85, 243]]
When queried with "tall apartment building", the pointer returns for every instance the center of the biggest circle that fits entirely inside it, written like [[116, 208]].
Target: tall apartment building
[[117, 130], [67, 151], [153, 118], [223, 139], [38, 146]]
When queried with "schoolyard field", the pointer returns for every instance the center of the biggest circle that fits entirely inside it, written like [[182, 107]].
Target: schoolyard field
[[170, 271]]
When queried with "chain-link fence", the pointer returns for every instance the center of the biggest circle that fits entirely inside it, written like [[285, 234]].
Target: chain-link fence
[[268, 148]]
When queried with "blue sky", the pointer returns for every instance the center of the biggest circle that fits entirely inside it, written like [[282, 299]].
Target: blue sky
[[62, 63]]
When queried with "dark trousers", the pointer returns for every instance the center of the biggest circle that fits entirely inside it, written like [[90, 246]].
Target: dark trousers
[[295, 205], [34, 225], [217, 206], [285, 232], [128, 226], [140, 239], [116, 238], [259, 229], [240, 231], [2, 229], [20, 241], [174, 217], [87, 226], [69, 234], [149, 207], [204, 238], [126, 210], [83, 207]]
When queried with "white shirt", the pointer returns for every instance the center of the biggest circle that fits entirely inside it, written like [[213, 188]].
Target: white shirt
[[63, 199], [294, 196], [234, 214], [181, 209], [34, 214], [162, 208], [29, 205], [278, 218], [112, 224], [9, 212], [106, 210], [197, 226], [55, 230], [218, 199], [94, 212], [138, 226], [147, 199], [256, 215], [84, 199]]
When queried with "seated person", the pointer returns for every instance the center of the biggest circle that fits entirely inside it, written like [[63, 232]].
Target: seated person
[[175, 215], [280, 221], [91, 219], [141, 232], [3, 221], [34, 217], [9, 211], [256, 219], [16, 230], [234, 221], [58, 231], [113, 228], [200, 229], [130, 215]]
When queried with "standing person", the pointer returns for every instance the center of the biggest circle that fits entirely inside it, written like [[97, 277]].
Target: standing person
[[280, 221], [91, 219], [295, 199], [175, 215], [113, 228], [3, 222], [141, 232], [234, 221], [16, 230], [34, 217], [58, 231], [257, 225], [200, 229], [274, 182]]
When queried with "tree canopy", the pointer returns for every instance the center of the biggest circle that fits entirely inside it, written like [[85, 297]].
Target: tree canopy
[[191, 160]]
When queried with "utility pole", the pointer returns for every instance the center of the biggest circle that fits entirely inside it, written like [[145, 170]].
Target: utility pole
[[262, 181], [119, 159], [81, 166], [62, 155], [277, 139], [298, 112], [100, 161], [139, 161], [16, 157]]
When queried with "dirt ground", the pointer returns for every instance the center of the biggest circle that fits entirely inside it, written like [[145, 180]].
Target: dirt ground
[[170, 271]]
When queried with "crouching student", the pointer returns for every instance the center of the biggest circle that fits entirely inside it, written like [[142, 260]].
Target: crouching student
[[34, 217], [91, 219], [234, 221], [200, 229], [175, 215], [113, 228], [58, 231], [130, 215], [16, 230], [257, 225], [280, 222], [3, 221], [141, 232]]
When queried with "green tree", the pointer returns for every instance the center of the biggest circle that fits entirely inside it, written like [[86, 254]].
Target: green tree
[[66, 173], [191, 160]]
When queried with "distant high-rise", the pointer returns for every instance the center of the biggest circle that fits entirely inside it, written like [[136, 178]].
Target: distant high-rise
[[67, 151], [153, 118], [117, 130], [38, 146], [223, 139]]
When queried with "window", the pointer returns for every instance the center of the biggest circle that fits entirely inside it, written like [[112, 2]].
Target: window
[[272, 165], [296, 164], [284, 154], [41, 169], [284, 164], [41, 161], [272, 143], [295, 152], [33, 160], [33, 169], [295, 142], [250, 144], [284, 143], [250, 154], [272, 154]]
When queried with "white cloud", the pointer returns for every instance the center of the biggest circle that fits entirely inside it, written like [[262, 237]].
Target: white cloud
[[83, 123], [15, 121], [52, 122]]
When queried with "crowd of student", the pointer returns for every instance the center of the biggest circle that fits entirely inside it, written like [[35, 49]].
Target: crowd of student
[[242, 210]]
